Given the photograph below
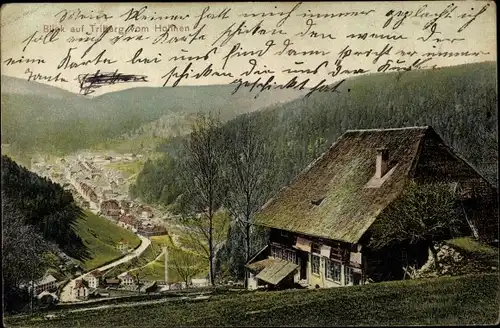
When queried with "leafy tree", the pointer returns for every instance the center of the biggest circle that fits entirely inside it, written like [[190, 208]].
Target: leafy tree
[[425, 213]]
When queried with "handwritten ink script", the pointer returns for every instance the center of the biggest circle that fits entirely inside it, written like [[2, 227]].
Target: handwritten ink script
[[96, 48]]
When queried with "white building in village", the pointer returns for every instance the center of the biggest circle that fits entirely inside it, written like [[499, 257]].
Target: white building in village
[[94, 278], [47, 283]]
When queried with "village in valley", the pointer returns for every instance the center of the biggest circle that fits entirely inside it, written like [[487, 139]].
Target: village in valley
[[369, 208], [104, 192]]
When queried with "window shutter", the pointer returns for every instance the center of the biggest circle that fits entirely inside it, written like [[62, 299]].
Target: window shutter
[[325, 251], [303, 244]]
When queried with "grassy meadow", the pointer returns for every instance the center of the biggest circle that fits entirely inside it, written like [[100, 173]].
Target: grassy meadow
[[148, 267], [101, 237]]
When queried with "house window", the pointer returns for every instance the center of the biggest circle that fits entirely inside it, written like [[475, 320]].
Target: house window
[[348, 275], [283, 254], [278, 252], [332, 270], [315, 263]]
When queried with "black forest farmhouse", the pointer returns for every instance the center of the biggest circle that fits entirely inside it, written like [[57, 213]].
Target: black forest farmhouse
[[320, 223]]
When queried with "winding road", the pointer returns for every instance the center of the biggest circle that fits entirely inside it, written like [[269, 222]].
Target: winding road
[[67, 296]]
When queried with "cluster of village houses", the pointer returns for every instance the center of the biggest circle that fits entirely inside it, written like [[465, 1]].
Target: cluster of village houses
[[44, 287], [96, 190], [48, 284], [94, 284], [132, 216]]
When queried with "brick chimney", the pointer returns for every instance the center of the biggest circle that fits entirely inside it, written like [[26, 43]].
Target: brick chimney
[[381, 163]]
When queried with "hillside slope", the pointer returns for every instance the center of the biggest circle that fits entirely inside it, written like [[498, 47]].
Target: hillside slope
[[101, 238], [42, 118], [44, 205]]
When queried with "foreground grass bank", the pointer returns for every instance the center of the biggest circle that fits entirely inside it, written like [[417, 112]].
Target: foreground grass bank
[[442, 301]]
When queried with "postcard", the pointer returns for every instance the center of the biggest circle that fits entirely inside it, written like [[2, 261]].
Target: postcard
[[249, 164]]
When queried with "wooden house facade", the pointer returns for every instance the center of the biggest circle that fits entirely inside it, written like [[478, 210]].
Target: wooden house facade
[[320, 224]]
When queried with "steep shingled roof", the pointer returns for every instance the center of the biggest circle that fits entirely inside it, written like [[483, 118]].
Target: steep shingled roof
[[329, 199]]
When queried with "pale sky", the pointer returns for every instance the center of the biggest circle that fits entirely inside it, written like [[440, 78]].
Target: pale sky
[[20, 21]]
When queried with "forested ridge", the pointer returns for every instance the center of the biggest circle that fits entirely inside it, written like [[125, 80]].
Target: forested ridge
[[36, 214], [38, 118], [459, 102]]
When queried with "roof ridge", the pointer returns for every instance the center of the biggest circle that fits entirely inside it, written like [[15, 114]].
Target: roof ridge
[[459, 157], [417, 127]]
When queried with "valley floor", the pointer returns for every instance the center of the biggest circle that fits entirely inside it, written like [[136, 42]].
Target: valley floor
[[471, 299]]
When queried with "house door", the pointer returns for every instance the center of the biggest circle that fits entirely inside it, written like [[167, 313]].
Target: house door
[[304, 258]]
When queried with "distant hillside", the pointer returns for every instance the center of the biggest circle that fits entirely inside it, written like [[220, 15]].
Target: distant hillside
[[42, 118], [12, 85]]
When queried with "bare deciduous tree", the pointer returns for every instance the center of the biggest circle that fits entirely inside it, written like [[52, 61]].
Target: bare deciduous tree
[[139, 276], [246, 176], [185, 264], [203, 181]]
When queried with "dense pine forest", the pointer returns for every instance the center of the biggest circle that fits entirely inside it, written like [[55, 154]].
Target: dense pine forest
[[459, 102], [37, 215]]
